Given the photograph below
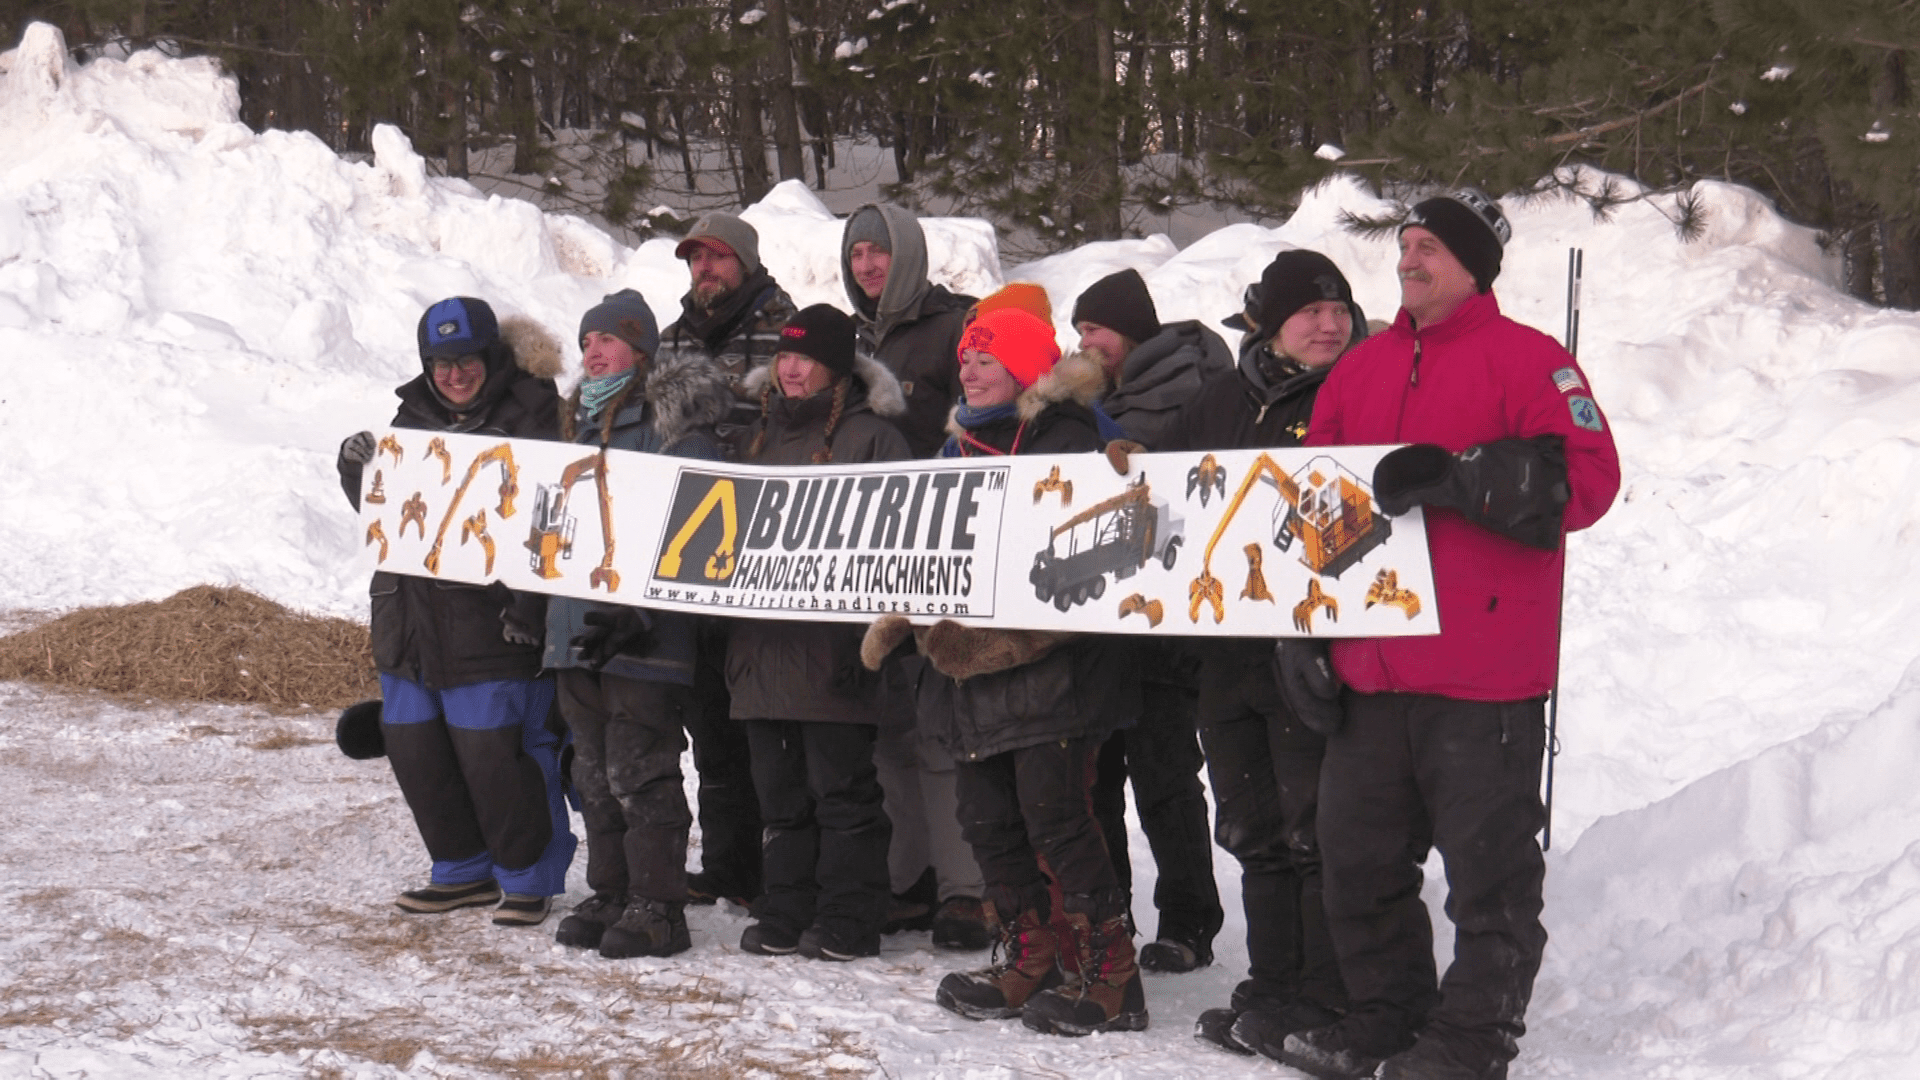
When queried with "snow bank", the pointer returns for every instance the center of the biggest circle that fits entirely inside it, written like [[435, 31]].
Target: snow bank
[[192, 315]]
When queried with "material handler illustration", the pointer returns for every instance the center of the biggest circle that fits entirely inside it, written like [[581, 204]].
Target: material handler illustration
[[1137, 604], [509, 487], [1303, 611], [1323, 506], [414, 512], [1122, 534], [476, 527], [375, 532], [438, 448], [551, 537], [1052, 482], [1386, 590]]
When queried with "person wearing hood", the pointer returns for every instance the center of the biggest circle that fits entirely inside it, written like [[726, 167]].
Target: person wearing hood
[[1262, 759], [906, 321], [1142, 372], [626, 674], [810, 709], [730, 317], [1023, 713], [463, 715]]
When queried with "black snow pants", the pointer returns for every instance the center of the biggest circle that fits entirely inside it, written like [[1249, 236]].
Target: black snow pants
[[1162, 758], [1411, 771], [1265, 769], [1036, 801], [628, 735], [824, 858], [729, 810]]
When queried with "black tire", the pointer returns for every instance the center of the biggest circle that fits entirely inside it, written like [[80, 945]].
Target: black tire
[[1097, 587], [1063, 599], [1172, 552]]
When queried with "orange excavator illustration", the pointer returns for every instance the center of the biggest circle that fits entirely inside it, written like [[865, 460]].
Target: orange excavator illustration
[[551, 537], [1323, 506], [509, 487]]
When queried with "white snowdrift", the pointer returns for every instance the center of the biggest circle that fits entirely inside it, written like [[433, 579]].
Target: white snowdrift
[[192, 315]]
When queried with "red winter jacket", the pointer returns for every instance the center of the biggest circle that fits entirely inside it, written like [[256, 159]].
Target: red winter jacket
[[1474, 377]]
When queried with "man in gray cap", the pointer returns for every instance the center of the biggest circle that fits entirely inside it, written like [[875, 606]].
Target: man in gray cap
[[905, 321], [733, 311], [731, 315]]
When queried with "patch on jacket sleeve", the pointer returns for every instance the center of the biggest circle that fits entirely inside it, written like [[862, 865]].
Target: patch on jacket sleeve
[[1567, 380], [1586, 414]]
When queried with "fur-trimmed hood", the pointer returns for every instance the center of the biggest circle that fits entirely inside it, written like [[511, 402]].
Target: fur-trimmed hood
[[536, 350], [885, 396], [1077, 378], [685, 392]]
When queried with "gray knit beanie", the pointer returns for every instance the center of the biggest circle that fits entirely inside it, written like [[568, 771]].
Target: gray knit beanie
[[624, 315]]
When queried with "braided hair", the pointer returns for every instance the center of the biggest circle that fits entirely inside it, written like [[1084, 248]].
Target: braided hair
[[842, 389], [570, 409]]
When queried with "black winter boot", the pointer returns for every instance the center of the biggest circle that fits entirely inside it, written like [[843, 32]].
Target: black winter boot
[[588, 921], [1348, 1050], [647, 928]]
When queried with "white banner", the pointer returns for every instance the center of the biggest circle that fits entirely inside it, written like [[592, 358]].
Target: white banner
[[1251, 543]]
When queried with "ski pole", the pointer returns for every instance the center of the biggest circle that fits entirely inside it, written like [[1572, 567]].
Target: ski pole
[[1576, 259]]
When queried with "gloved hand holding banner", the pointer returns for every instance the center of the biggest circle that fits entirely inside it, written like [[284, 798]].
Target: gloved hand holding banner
[[1250, 543]]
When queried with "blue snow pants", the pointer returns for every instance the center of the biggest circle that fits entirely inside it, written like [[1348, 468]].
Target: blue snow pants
[[480, 769]]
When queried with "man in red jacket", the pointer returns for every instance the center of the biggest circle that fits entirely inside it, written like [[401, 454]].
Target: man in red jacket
[[1438, 741]]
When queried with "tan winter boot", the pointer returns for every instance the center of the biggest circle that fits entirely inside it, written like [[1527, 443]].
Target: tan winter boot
[[1107, 996], [1022, 965]]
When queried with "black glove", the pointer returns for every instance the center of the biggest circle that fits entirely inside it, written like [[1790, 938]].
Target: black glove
[[358, 733], [613, 632], [1514, 487], [358, 448], [515, 625], [1308, 684]]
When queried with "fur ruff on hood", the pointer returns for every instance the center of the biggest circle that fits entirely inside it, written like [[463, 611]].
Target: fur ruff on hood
[[1077, 378], [685, 391], [535, 350], [885, 396]]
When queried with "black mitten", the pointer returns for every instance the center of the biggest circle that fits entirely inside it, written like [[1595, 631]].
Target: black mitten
[[1412, 476], [1303, 668], [358, 733], [1515, 487], [610, 633]]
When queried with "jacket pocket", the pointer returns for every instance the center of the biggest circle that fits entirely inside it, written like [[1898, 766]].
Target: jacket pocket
[[389, 622]]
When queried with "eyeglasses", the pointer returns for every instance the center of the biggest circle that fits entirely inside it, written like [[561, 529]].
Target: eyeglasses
[[465, 365]]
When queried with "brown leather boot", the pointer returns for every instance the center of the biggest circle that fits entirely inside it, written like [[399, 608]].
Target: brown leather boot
[[1022, 965], [1106, 997]]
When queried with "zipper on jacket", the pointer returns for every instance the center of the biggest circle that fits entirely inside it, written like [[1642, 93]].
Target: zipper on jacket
[[1414, 378]]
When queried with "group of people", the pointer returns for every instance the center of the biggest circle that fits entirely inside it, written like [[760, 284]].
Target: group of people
[[971, 780]]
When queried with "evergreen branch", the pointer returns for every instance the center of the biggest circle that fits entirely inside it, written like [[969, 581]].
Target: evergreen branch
[[1586, 133]]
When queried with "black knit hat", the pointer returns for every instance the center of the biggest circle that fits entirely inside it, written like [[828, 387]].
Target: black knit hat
[[1120, 302], [822, 333], [624, 315], [1290, 282], [1472, 227]]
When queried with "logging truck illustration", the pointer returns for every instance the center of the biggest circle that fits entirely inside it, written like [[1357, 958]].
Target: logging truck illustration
[[1323, 506], [551, 537], [1115, 536], [509, 487]]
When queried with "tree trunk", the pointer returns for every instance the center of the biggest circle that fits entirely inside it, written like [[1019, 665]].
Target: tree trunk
[[786, 114]]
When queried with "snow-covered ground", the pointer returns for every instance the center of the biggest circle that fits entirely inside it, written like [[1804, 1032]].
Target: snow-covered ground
[[193, 314]]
